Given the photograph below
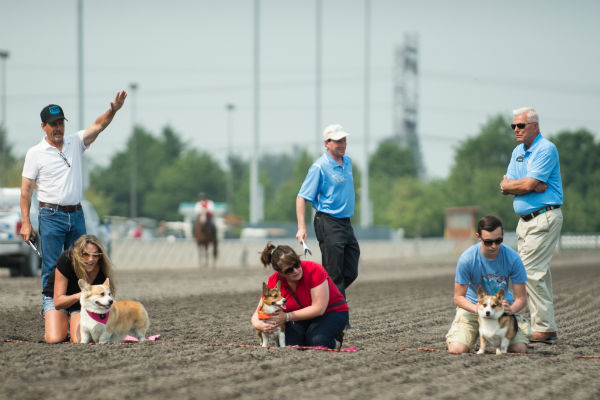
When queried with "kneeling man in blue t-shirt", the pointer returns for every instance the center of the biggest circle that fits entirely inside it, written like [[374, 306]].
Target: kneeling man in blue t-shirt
[[490, 265]]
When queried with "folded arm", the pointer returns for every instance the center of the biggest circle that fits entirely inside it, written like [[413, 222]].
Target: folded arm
[[521, 186]]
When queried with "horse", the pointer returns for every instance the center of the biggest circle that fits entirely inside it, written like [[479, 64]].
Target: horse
[[205, 233]]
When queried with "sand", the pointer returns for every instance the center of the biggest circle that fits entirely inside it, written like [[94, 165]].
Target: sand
[[400, 312]]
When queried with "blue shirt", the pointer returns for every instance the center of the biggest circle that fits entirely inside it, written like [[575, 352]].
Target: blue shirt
[[329, 186], [540, 162], [475, 270]]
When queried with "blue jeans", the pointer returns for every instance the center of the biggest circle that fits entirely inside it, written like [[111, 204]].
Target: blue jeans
[[48, 305], [320, 331], [58, 231]]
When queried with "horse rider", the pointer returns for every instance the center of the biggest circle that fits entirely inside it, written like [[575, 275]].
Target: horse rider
[[204, 209]]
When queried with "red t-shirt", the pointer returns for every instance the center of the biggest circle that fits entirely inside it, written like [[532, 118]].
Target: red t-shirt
[[313, 274]]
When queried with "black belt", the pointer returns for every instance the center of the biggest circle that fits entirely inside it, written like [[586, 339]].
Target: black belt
[[532, 215], [61, 208]]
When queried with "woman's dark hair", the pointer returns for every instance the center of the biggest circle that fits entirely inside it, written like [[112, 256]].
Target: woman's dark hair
[[274, 255], [489, 223]]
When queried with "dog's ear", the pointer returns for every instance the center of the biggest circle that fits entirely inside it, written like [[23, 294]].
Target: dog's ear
[[265, 288], [500, 294], [106, 283], [278, 286], [480, 292], [83, 285]]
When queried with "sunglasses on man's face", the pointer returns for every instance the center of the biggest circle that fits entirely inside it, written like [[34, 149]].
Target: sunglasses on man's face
[[520, 125], [489, 242]]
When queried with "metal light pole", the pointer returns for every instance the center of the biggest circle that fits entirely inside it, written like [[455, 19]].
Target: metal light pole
[[365, 203], [256, 211], [318, 64], [230, 108], [80, 61], [3, 128], [133, 156]]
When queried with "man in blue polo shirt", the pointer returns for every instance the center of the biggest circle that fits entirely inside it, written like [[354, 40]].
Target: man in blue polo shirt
[[329, 186], [533, 177]]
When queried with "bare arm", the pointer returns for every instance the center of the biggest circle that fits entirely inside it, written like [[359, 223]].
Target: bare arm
[[521, 186], [300, 214], [319, 297], [460, 298], [264, 325], [61, 300], [105, 119], [520, 299], [27, 186]]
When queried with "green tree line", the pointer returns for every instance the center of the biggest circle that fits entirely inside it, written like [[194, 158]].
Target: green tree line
[[170, 172]]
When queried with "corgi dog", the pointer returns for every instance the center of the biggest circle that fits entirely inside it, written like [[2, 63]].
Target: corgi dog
[[495, 328], [272, 302], [105, 320]]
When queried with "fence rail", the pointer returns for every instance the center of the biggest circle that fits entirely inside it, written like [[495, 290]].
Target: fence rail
[[236, 253]]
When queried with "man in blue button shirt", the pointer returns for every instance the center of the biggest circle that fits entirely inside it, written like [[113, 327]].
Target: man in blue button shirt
[[533, 177], [329, 186]]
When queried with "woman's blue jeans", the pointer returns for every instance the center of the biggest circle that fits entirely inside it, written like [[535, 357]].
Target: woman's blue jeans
[[320, 331]]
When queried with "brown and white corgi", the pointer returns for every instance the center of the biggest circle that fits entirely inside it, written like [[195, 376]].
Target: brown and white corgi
[[272, 302], [105, 320], [495, 328]]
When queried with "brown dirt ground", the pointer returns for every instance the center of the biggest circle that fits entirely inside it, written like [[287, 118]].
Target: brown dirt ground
[[396, 309]]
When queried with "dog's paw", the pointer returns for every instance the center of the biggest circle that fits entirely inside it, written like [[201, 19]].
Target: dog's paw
[[481, 351], [498, 352]]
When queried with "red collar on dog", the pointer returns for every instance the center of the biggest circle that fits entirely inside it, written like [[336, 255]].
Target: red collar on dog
[[102, 318]]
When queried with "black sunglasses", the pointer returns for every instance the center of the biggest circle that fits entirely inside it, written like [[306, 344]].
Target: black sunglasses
[[520, 125], [489, 242], [289, 270]]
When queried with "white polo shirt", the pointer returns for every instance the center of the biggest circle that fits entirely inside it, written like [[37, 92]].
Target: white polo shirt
[[57, 182]]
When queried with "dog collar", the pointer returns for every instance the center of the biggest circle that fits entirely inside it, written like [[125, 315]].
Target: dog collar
[[263, 315], [102, 318]]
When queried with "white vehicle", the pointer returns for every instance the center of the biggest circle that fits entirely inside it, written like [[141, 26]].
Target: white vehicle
[[15, 254]]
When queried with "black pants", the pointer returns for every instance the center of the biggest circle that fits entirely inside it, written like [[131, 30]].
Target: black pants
[[320, 331], [339, 249]]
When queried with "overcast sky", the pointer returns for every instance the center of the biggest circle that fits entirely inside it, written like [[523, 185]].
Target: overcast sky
[[190, 58]]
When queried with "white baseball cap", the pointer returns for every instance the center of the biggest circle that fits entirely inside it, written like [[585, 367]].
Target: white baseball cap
[[334, 132]]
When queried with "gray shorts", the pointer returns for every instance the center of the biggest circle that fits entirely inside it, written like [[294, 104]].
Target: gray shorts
[[48, 305]]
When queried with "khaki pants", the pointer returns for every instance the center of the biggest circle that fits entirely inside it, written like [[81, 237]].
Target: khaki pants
[[537, 240]]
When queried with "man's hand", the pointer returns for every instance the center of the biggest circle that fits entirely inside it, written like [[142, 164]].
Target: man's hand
[[507, 307], [301, 235], [504, 182], [26, 230], [119, 101], [540, 187]]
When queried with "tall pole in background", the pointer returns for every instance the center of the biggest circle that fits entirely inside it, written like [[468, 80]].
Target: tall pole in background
[[318, 64], [80, 60], [81, 120], [230, 107], [255, 193], [365, 203], [3, 127], [133, 156]]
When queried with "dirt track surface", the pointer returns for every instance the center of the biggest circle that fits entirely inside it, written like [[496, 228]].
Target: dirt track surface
[[396, 310]]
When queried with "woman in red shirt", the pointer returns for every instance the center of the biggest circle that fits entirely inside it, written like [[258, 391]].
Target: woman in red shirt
[[316, 312]]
